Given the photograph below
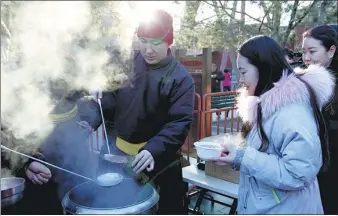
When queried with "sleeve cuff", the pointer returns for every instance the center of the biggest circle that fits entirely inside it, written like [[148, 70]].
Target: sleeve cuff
[[37, 155], [238, 159], [155, 149]]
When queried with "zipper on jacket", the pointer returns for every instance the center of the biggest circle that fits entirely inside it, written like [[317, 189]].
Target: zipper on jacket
[[246, 200], [247, 184], [275, 196]]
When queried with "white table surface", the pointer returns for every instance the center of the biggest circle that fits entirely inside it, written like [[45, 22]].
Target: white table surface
[[192, 175]]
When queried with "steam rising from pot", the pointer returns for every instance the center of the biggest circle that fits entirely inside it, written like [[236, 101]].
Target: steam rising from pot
[[50, 49]]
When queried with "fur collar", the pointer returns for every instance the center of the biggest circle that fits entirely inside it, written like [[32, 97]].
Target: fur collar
[[288, 90]]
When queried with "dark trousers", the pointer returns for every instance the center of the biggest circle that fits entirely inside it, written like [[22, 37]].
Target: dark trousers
[[226, 88], [169, 182], [172, 189], [328, 181]]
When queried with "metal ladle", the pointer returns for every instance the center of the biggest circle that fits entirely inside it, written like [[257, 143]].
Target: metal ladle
[[110, 157], [109, 183], [103, 124]]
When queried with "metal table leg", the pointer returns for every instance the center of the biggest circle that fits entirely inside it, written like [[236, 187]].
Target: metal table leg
[[199, 200], [233, 207]]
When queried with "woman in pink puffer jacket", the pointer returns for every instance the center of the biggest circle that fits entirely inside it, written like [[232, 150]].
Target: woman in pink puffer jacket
[[227, 80]]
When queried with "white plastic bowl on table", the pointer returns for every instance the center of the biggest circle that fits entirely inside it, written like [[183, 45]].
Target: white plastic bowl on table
[[208, 150]]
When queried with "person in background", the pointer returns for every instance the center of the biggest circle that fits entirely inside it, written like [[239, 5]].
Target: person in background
[[288, 54], [227, 80], [216, 78], [320, 47], [298, 60], [151, 118], [74, 117], [286, 144]]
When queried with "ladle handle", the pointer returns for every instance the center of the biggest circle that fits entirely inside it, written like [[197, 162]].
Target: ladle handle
[[41, 161], [103, 124]]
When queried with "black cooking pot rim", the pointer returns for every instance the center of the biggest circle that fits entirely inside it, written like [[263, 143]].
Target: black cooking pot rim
[[137, 202], [19, 186]]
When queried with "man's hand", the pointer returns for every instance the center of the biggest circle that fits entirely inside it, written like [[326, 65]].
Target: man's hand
[[143, 160], [38, 173]]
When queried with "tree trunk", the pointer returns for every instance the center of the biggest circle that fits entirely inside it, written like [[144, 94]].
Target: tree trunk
[[189, 21], [228, 34], [316, 14], [234, 8], [243, 12], [190, 13], [266, 11], [276, 18], [323, 13], [291, 22]]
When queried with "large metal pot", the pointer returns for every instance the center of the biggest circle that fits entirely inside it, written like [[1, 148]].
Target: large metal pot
[[128, 197], [11, 190]]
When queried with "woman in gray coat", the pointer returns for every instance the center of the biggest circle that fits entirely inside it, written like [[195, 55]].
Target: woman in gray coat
[[286, 138]]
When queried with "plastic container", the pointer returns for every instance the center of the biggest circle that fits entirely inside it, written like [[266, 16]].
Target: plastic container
[[208, 150]]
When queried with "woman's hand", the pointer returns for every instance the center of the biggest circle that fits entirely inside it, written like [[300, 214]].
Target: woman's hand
[[229, 154], [38, 173]]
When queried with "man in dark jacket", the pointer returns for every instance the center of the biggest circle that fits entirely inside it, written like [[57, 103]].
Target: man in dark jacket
[[151, 118], [216, 77], [66, 146]]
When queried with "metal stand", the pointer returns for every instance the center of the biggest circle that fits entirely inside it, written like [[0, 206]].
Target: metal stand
[[202, 194]]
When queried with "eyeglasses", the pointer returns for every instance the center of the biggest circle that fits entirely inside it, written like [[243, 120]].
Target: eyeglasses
[[155, 41]]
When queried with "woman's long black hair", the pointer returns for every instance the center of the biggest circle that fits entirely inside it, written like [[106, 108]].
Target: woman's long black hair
[[268, 57]]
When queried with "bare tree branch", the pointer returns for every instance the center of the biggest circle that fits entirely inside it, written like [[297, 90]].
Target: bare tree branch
[[233, 9], [4, 30], [233, 18], [304, 14], [222, 5], [243, 11], [216, 8], [292, 18], [267, 10], [197, 23], [293, 23], [265, 15], [201, 21], [276, 17]]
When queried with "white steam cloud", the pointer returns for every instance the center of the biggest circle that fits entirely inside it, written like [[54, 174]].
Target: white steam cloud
[[56, 45]]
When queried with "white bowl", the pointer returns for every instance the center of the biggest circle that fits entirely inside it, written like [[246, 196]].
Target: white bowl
[[109, 179], [207, 150]]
